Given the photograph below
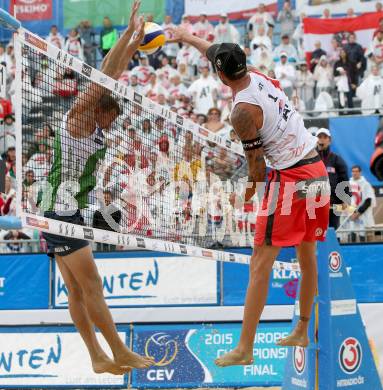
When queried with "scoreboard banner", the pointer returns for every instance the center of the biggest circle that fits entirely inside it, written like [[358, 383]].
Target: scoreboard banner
[[185, 354]]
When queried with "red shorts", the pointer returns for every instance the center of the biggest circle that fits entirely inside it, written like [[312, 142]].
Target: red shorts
[[295, 206]]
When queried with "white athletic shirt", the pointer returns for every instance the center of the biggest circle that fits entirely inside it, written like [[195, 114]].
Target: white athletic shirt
[[285, 138]]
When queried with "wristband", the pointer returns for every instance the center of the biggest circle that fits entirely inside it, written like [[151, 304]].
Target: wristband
[[252, 144]]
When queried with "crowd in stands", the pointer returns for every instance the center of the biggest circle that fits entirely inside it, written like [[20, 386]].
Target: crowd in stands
[[180, 79]]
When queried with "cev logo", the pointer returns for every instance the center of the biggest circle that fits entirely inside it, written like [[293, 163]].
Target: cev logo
[[350, 355], [162, 348], [299, 360], [335, 261]]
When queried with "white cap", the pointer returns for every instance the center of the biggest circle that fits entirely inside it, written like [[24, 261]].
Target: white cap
[[322, 130]]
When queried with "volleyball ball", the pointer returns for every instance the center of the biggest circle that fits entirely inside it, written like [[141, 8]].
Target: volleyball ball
[[154, 38]]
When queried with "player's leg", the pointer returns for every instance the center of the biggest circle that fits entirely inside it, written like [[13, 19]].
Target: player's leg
[[261, 264], [83, 268], [306, 254], [100, 360]]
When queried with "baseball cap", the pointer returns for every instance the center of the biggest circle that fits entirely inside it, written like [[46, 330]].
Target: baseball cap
[[229, 58], [283, 54], [322, 130]]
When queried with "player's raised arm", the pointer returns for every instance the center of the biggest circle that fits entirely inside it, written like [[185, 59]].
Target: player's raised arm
[[180, 34], [247, 119], [113, 65]]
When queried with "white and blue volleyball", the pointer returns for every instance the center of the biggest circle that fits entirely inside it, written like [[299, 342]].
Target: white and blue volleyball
[[154, 38]]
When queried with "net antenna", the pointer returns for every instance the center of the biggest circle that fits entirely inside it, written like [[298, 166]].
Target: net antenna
[[154, 162]]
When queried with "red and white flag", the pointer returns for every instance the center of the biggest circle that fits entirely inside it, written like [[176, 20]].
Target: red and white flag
[[323, 30]]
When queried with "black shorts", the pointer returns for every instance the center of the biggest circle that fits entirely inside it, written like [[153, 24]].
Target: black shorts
[[62, 245]]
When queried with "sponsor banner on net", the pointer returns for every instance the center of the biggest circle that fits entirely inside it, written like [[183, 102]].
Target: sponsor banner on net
[[196, 347], [151, 281], [45, 358]]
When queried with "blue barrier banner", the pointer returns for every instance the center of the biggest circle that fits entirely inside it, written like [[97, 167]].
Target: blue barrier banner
[[151, 281], [185, 354], [52, 356], [24, 282], [283, 283], [365, 262], [359, 131]]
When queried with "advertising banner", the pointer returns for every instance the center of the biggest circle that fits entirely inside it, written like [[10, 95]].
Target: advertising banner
[[31, 9], [144, 281], [117, 10], [316, 7], [185, 354], [283, 283], [20, 289], [45, 356], [236, 9]]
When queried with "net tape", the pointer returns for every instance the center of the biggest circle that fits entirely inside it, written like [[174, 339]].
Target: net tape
[[37, 52]]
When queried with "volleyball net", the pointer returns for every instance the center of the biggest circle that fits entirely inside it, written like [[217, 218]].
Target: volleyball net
[[151, 180]]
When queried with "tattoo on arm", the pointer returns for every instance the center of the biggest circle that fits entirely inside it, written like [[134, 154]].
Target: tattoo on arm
[[245, 125]]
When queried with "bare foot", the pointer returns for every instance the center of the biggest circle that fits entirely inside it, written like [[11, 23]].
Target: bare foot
[[132, 359], [298, 338], [105, 364], [235, 358]]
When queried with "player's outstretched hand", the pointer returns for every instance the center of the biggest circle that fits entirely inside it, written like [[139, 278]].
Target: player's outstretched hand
[[178, 34], [133, 20], [139, 34]]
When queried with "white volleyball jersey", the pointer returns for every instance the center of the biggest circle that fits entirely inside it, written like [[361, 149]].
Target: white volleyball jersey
[[285, 138]]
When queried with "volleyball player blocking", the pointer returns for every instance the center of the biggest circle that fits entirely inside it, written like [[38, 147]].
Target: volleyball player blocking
[[293, 211], [79, 148]]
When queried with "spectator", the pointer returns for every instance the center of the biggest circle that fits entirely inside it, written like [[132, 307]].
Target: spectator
[[5, 108], [316, 55], [326, 14], [134, 84], [185, 23], [153, 88], [204, 92], [380, 27], [337, 172], [305, 85], [107, 217], [323, 76], [262, 58], [143, 71], [260, 19], [286, 18], [225, 31], [286, 47], [285, 73], [375, 53], [40, 162], [355, 54], [3, 55], [177, 88], [186, 78], [345, 74], [334, 52], [108, 36], [298, 36], [7, 138], [215, 124], [370, 92], [55, 38], [15, 235], [87, 35], [73, 45], [165, 72], [378, 6], [261, 39], [364, 200], [350, 13], [203, 29], [170, 49], [10, 161]]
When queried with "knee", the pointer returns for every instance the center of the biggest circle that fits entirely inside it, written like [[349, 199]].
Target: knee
[[259, 269], [92, 286], [75, 292]]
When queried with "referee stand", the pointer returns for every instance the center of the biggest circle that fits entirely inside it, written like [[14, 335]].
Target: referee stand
[[339, 355]]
